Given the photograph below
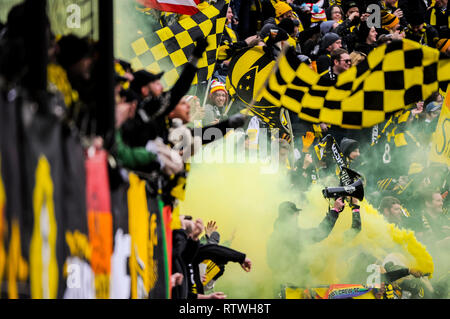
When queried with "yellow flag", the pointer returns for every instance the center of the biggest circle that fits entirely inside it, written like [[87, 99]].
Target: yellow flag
[[440, 147]]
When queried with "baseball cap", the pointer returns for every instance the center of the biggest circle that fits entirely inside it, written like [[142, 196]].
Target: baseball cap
[[142, 78], [288, 208]]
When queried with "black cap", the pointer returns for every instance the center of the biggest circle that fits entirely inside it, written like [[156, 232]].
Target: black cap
[[363, 32], [416, 18], [72, 49], [129, 95], [287, 208], [348, 145], [142, 78], [349, 5], [287, 25], [125, 65]]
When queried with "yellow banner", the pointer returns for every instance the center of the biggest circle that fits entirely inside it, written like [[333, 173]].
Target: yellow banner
[[142, 226], [440, 147], [43, 263]]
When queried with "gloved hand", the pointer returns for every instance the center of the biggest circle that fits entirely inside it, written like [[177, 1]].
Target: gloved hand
[[416, 273], [237, 120], [307, 140], [354, 203], [169, 160], [201, 46]]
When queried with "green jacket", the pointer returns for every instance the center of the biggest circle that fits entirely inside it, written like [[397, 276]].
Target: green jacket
[[132, 157]]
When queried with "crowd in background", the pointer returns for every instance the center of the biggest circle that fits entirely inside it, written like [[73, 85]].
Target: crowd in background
[[153, 124]]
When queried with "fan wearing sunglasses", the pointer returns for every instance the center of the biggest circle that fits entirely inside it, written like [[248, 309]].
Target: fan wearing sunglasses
[[340, 61]]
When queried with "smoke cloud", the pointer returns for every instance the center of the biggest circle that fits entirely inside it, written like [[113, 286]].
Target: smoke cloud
[[245, 202]]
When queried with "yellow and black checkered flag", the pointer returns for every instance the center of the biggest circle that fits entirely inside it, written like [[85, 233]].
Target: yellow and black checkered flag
[[169, 49], [247, 72], [392, 77]]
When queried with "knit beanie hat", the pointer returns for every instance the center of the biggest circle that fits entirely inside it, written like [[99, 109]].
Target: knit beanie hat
[[281, 8], [217, 86], [348, 145], [318, 14], [416, 13], [329, 39], [326, 27], [389, 21], [351, 4], [443, 45], [287, 25], [363, 32]]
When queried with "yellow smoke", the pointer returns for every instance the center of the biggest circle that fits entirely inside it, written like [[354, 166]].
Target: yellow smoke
[[243, 200]]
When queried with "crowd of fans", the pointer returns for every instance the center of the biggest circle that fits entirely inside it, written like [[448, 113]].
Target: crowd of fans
[[154, 125]]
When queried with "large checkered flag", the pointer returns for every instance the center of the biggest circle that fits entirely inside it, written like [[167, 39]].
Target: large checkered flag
[[391, 78], [168, 49]]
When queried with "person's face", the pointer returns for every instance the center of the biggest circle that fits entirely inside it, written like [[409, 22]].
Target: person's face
[[342, 65], [220, 98], [192, 228], [182, 111], [229, 15], [155, 88], [399, 32], [336, 14], [390, 2], [289, 14], [441, 3], [335, 45], [83, 68], [352, 10], [355, 154], [437, 203], [372, 37], [395, 212]]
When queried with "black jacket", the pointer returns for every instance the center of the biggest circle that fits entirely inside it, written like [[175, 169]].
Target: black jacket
[[151, 117], [220, 255], [184, 251]]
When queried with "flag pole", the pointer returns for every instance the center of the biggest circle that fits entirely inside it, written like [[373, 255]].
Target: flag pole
[[206, 92], [288, 119]]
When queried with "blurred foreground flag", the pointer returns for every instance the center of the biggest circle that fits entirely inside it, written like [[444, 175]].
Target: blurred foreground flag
[[168, 49], [188, 7]]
